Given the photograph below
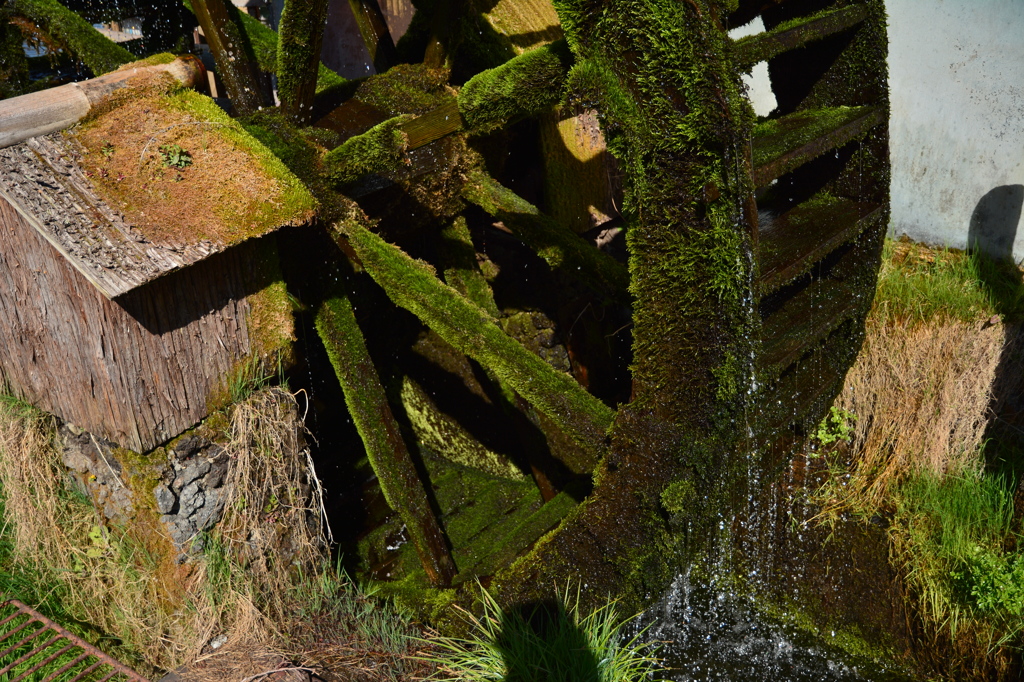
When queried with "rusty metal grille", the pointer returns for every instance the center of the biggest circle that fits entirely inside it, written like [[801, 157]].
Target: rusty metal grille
[[35, 649]]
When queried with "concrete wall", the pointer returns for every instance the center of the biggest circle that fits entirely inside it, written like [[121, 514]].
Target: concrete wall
[[956, 74]]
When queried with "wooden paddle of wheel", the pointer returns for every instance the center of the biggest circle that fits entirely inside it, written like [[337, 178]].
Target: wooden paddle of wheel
[[753, 251]]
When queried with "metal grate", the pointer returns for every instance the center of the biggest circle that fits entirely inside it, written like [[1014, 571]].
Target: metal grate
[[35, 649]]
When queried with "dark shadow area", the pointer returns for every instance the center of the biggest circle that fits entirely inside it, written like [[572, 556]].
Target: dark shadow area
[[993, 227], [540, 641], [180, 298], [992, 232]]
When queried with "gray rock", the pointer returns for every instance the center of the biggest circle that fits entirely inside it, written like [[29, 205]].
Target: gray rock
[[218, 471], [191, 499], [164, 499], [76, 460], [188, 446], [192, 472], [209, 514]]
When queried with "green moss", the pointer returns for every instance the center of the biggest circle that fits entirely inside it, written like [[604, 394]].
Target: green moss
[[753, 49], [140, 473], [298, 55], [270, 321], [523, 86], [462, 272], [406, 89], [74, 34], [775, 137], [673, 113], [678, 496], [380, 150], [414, 286], [294, 207], [396, 474], [445, 436], [157, 59], [263, 41], [414, 595]]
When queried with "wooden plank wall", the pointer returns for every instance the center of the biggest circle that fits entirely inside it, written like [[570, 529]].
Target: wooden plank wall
[[137, 370]]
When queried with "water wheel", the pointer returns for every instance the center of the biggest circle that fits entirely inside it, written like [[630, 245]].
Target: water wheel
[[753, 246]]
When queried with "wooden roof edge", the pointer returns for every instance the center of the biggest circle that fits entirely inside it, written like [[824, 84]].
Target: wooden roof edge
[[30, 218]]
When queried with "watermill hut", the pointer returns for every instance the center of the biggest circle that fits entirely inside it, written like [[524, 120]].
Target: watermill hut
[[138, 267]]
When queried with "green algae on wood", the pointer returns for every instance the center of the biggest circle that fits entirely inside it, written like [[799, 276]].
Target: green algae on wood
[[521, 87], [444, 435], [197, 125], [781, 144], [235, 63], [673, 113], [298, 55], [406, 89], [789, 35], [368, 406], [461, 271], [561, 248], [74, 33], [380, 150], [414, 286], [263, 41]]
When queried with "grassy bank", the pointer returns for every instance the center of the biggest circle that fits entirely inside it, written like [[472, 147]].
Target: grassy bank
[[935, 447], [123, 588]]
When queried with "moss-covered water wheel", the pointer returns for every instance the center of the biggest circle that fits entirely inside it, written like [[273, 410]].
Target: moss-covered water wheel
[[741, 333], [548, 411]]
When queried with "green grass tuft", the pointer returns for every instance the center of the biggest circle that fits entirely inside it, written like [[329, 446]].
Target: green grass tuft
[[952, 533], [917, 284], [552, 642]]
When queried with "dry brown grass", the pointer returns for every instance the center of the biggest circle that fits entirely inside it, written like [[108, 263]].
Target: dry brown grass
[[921, 394], [239, 587]]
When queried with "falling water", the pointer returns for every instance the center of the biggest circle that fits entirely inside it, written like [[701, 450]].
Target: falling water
[[715, 622]]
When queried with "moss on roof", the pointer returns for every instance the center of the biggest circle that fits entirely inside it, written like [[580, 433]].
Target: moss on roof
[[183, 171]]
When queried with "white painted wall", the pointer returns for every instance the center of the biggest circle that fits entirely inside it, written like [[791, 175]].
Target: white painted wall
[[758, 82], [956, 75]]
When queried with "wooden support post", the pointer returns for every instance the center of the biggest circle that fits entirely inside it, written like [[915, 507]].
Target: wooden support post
[[396, 473], [414, 286], [229, 46], [298, 56], [45, 111], [263, 41], [374, 29]]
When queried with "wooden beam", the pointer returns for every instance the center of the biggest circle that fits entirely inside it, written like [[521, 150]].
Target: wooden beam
[[298, 56], [388, 455], [414, 286], [229, 46], [374, 30], [46, 111], [559, 246]]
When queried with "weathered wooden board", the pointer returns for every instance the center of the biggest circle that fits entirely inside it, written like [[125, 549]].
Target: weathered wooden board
[[43, 179], [138, 370]]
